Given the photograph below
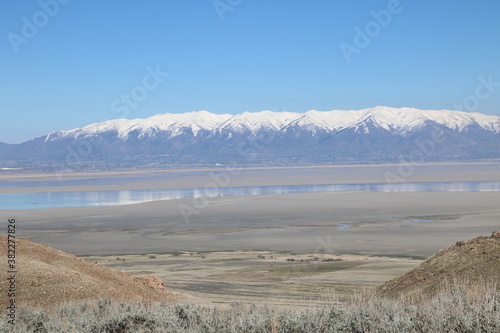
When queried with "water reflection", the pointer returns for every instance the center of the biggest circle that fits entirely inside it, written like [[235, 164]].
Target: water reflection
[[108, 198]]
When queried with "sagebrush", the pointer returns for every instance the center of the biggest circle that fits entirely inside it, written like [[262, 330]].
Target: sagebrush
[[456, 310]]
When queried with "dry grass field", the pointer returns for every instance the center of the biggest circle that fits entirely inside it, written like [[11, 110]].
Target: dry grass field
[[270, 277]]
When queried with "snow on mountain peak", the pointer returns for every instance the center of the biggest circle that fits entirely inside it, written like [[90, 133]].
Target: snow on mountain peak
[[255, 121], [399, 120]]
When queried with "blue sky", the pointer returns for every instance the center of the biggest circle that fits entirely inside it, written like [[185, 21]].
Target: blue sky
[[230, 56]]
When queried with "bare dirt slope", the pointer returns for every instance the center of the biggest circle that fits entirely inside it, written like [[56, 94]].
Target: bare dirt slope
[[46, 277], [473, 262]]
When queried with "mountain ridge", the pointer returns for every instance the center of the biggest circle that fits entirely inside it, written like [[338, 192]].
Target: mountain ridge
[[374, 135], [328, 120]]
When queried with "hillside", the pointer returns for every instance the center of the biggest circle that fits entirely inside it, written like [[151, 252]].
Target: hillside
[[473, 262], [48, 277]]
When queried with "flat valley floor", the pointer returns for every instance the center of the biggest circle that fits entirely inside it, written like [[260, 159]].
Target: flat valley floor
[[304, 248]]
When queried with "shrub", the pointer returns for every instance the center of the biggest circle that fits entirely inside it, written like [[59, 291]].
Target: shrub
[[458, 309]]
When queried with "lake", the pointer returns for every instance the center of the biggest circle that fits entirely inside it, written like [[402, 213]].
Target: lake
[[111, 198]]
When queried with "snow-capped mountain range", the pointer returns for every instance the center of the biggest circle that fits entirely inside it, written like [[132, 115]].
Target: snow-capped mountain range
[[399, 121], [379, 134]]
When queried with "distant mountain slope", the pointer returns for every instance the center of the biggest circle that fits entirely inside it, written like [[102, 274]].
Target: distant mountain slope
[[380, 134], [398, 121], [4, 147], [474, 261], [47, 277]]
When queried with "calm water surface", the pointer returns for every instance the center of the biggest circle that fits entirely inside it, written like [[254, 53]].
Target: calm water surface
[[112, 198]]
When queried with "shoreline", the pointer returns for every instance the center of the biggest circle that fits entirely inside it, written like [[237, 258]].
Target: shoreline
[[380, 223], [274, 176], [27, 173]]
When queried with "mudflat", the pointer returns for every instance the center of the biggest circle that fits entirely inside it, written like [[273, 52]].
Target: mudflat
[[230, 232], [11, 182], [338, 222]]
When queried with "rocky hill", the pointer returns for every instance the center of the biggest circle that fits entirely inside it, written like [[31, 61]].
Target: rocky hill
[[473, 262], [46, 277]]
